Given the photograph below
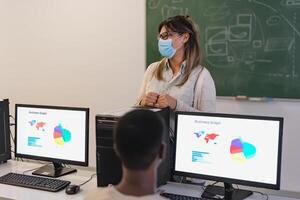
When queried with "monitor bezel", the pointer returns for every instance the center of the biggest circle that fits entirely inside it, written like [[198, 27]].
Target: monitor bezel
[[231, 180], [55, 160]]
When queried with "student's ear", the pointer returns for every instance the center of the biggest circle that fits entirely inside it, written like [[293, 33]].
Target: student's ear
[[162, 151]]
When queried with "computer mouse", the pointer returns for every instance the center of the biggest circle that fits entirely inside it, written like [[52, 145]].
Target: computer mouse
[[72, 189]]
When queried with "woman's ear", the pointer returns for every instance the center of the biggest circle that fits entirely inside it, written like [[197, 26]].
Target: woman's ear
[[186, 37]]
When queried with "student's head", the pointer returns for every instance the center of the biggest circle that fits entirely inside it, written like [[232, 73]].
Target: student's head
[[138, 139], [184, 36]]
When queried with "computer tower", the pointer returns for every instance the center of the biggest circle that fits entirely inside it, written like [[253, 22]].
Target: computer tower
[[109, 170], [5, 152]]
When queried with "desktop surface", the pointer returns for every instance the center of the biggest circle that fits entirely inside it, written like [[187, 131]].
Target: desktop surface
[[83, 173], [16, 192]]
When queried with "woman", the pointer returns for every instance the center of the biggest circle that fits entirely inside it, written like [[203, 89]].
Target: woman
[[178, 81]]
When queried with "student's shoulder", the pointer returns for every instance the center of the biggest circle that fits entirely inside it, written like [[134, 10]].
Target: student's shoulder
[[99, 194]]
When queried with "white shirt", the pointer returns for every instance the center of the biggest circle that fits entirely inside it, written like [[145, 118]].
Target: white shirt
[[197, 94], [110, 193]]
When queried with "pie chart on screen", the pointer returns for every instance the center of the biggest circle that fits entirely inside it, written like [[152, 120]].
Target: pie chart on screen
[[61, 135], [241, 150]]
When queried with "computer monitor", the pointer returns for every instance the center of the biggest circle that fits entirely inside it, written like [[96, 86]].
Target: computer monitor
[[5, 152], [52, 133], [229, 148]]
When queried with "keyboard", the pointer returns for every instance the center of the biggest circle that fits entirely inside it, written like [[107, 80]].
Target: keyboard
[[34, 182], [179, 197]]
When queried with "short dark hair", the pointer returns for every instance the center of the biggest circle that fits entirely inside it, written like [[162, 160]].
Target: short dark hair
[[138, 138]]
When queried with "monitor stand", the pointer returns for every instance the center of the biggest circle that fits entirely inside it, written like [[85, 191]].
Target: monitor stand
[[230, 193], [55, 170]]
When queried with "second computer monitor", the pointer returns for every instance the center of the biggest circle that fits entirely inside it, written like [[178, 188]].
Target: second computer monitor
[[234, 149], [52, 133]]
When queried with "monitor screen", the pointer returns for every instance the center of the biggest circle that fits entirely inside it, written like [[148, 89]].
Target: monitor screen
[[229, 148], [52, 133]]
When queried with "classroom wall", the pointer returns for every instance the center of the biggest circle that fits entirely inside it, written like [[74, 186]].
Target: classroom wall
[[86, 53], [91, 53]]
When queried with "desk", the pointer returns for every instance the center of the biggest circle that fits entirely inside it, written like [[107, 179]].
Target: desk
[[14, 192], [84, 173], [192, 190]]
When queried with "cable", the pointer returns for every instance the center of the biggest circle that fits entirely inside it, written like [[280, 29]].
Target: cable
[[12, 137], [214, 183], [171, 134], [12, 124], [81, 184], [12, 117]]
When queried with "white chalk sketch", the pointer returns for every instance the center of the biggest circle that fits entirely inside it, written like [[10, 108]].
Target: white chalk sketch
[[216, 48], [168, 11], [230, 59], [153, 4], [244, 19], [217, 13], [241, 31], [281, 15], [177, 1], [294, 74], [257, 44], [217, 37], [263, 61], [293, 3], [273, 20], [279, 44], [216, 41], [249, 58], [216, 33]]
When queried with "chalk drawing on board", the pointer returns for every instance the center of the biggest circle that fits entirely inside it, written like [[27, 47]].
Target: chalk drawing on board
[[276, 11], [244, 19], [279, 44], [216, 48], [249, 59], [216, 41], [153, 4], [216, 33], [293, 3], [257, 44], [217, 13], [294, 74], [177, 1], [168, 11], [241, 31], [263, 60], [230, 59], [273, 20]]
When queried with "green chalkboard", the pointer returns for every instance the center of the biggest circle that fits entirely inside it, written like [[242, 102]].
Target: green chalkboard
[[251, 47]]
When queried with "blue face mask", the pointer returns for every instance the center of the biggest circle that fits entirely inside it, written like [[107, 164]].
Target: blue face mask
[[165, 48]]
